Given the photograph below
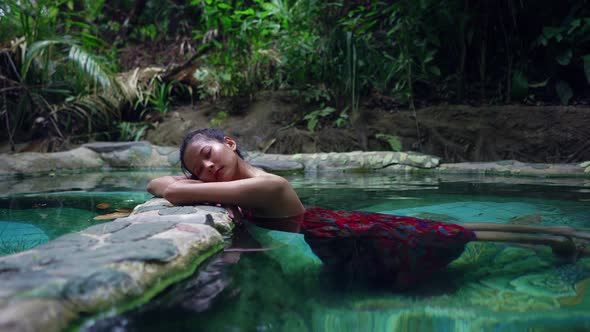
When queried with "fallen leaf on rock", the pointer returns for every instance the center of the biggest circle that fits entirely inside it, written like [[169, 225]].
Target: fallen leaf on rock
[[111, 216]]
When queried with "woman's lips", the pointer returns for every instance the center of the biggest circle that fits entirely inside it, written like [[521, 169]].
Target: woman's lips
[[217, 173]]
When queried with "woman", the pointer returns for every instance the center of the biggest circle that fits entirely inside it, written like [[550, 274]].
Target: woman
[[392, 249]]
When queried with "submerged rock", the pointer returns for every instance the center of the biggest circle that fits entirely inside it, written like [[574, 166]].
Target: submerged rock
[[558, 282]]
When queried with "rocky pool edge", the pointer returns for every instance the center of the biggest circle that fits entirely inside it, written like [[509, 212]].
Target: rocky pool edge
[[145, 156]]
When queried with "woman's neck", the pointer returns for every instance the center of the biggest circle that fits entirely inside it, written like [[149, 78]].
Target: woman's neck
[[245, 170]]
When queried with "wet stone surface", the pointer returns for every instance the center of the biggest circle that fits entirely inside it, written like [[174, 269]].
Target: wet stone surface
[[147, 208], [140, 231], [102, 147], [107, 265], [78, 289], [73, 240], [176, 210], [106, 228], [210, 208]]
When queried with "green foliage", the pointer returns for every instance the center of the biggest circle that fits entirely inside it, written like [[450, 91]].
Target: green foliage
[[215, 83], [219, 118], [132, 131], [567, 45], [58, 71], [393, 141], [146, 32], [157, 97], [51, 68], [564, 92], [313, 118], [520, 86]]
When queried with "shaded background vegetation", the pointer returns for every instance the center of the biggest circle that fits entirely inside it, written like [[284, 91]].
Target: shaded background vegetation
[[64, 65]]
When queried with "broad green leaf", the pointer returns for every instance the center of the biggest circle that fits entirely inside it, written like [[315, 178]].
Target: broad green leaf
[[248, 12], [327, 111], [393, 141], [520, 86], [564, 57], [564, 92], [434, 70], [552, 32], [226, 22], [574, 24], [541, 40], [311, 124]]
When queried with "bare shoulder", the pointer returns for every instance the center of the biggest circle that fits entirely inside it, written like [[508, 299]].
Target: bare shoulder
[[273, 178], [282, 201]]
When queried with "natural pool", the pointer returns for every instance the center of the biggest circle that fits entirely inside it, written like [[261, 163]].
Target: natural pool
[[495, 287]]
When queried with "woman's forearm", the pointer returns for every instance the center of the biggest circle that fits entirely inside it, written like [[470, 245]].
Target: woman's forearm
[[157, 186]]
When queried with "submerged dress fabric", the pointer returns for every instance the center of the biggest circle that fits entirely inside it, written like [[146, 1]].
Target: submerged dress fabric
[[397, 250]]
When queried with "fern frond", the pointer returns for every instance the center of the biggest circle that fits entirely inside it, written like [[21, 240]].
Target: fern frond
[[91, 66], [85, 61]]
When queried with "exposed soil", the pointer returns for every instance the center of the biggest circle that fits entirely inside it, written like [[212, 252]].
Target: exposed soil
[[273, 122]]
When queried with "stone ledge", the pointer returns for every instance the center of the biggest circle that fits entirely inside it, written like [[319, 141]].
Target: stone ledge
[[143, 155], [117, 264], [345, 161], [104, 147], [80, 159], [514, 168]]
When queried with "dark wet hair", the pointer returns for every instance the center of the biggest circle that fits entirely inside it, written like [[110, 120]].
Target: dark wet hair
[[215, 134]]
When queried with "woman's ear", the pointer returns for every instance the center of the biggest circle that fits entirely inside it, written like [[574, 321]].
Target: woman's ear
[[230, 143]]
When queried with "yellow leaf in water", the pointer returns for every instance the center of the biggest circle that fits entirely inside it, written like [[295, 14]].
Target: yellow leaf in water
[[112, 216], [103, 206]]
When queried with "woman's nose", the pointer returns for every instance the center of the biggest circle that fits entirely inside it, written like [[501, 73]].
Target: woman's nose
[[208, 165]]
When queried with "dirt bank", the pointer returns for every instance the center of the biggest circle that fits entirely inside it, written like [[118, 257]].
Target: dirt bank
[[273, 122]]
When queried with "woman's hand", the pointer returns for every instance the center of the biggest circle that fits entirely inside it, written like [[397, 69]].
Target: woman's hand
[[234, 211]]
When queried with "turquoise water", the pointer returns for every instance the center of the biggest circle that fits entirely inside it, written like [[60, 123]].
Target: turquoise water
[[491, 287], [36, 210]]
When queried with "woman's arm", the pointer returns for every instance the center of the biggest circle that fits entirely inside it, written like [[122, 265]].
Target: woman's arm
[[249, 193], [157, 186]]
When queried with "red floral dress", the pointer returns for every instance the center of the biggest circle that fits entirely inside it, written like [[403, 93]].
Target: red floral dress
[[396, 250]]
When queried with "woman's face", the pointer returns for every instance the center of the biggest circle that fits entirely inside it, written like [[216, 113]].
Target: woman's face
[[212, 161]]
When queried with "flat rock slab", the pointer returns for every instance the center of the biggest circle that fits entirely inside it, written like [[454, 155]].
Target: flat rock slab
[[515, 168], [278, 165], [108, 265], [344, 161], [77, 160], [102, 147]]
